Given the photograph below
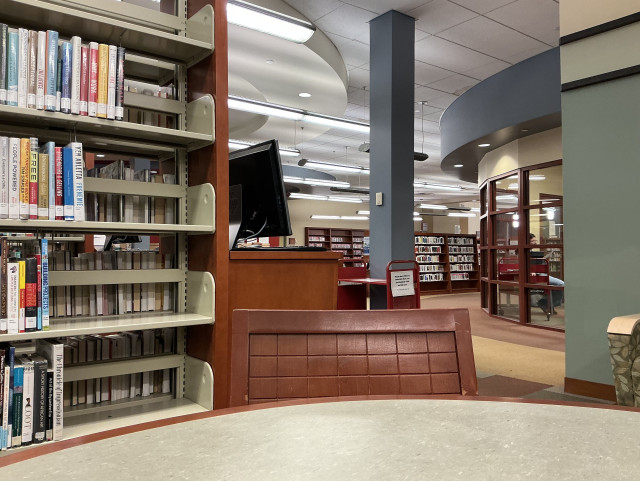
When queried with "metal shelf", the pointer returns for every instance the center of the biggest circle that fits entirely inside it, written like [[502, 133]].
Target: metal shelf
[[119, 367], [118, 276]]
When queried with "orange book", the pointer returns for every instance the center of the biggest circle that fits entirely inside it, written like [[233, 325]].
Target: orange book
[[25, 160], [103, 79]]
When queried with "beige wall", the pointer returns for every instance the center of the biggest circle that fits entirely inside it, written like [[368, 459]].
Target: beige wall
[[532, 150], [576, 15]]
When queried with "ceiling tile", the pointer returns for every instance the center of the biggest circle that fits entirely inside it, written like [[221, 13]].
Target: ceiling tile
[[312, 9], [489, 37], [455, 84], [430, 127], [520, 56], [439, 15], [448, 55], [347, 21], [357, 96], [537, 18], [480, 6], [353, 52], [426, 74], [383, 6], [486, 71], [427, 94], [358, 77], [425, 109]]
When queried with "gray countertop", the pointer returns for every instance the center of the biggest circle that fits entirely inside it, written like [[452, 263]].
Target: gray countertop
[[358, 440]]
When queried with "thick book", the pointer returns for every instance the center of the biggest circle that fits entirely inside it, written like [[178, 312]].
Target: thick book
[[33, 69], [14, 178], [76, 69], [59, 184], [51, 70], [120, 84], [27, 400], [23, 66], [16, 421], [53, 352], [41, 69], [43, 183], [25, 159], [44, 252], [22, 295], [31, 294], [4, 30], [67, 182], [13, 296], [92, 97], [67, 59], [33, 177], [78, 180], [39, 398], [13, 52], [4, 177], [103, 79], [84, 80]]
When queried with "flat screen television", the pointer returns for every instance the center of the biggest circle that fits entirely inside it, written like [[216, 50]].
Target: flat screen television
[[257, 198]]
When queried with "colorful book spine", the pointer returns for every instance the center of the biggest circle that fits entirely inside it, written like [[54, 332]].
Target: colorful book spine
[[43, 183], [78, 181], [67, 188], [53, 352], [13, 50], [32, 66], [13, 296], [59, 80], [16, 422], [14, 178], [92, 105], [103, 79], [33, 178], [22, 295], [38, 258], [59, 184], [27, 401], [51, 70], [4, 251], [120, 84], [25, 158], [84, 80], [44, 249], [31, 294], [41, 69], [4, 32], [4, 177], [50, 149], [67, 60], [111, 82], [76, 69], [5, 409], [23, 66]]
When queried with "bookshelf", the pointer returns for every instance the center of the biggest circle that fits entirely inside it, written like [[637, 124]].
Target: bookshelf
[[448, 262], [161, 48], [349, 242]]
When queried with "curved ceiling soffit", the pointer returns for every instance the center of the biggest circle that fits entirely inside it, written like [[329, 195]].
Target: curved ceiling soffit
[[521, 100]]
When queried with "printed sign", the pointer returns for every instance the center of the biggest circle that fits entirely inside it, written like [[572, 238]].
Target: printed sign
[[402, 283]]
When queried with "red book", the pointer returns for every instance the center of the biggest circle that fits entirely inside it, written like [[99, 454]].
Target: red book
[[31, 294], [59, 198], [93, 80], [33, 178], [84, 80]]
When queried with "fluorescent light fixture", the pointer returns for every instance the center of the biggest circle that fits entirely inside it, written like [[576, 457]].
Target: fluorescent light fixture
[[461, 214], [268, 21], [295, 195], [513, 186], [339, 198], [304, 95], [433, 206], [516, 224], [506, 197], [416, 218], [338, 217], [429, 185], [332, 198], [458, 166], [537, 177], [317, 182], [352, 169], [241, 144], [264, 108], [475, 209], [336, 122], [353, 217], [100, 155], [484, 145]]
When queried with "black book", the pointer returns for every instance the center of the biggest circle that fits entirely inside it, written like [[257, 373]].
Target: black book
[[39, 398], [49, 402], [31, 294]]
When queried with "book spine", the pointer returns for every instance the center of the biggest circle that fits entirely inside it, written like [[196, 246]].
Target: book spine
[[3, 436], [4, 250], [23, 66], [31, 294], [59, 189], [4, 177], [41, 69], [49, 430], [39, 400], [59, 80], [10, 360], [92, 106], [13, 297], [3, 63], [25, 159], [16, 424], [13, 50], [51, 70], [33, 178], [84, 80], [78, 181], [27, 403], [33, 69], [5, 409], [50, 149], [44, 249], [103, 80], [76, 69], [65, 99], [111, 82], [22, 295], [54, 353], [43, 184], [120, 84], [14, 178], [38, 258], [67, 189]]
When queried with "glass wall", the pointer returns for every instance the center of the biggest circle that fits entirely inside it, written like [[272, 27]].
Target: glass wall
[[521, 246]]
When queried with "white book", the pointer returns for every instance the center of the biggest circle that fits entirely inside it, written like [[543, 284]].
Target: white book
[[41, 69], [27, 401], [14, 178], [13, 298], [23, 66], [111, 83], [76, 55], [78, 181], [4, 177], [53, 351], [92, 98]]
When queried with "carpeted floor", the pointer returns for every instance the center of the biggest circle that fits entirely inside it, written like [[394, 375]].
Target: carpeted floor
[[511, 360]]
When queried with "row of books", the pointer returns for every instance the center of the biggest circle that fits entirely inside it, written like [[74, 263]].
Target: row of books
[[432, 268], [422, 239], [423, 249], [64, 260], [24, 287], [431, 277], [45, 183], [462, 267], [465, 241], [461, 276], [460, 250], [427, 259], [39, 70], [31, 394], [461, 258]]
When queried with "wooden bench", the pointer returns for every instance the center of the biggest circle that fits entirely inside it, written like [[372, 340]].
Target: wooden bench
[[280, 355]]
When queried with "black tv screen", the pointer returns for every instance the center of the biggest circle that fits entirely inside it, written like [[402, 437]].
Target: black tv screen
[[257, 171]]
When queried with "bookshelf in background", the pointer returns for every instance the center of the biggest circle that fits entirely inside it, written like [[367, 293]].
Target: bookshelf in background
[[349, 242], [448, 262]]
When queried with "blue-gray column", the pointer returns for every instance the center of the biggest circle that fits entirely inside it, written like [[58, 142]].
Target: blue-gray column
[[392, 83]]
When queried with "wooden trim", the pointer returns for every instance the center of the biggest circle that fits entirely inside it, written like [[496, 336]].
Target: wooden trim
[[602, 28], [601, 78], [544, 165], [590, 389]]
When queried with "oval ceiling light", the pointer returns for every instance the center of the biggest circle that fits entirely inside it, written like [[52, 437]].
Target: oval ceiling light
[[484, 145], [458, 166], [304, 95]]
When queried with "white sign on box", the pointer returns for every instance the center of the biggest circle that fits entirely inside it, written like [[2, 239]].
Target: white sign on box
[[402, 283]]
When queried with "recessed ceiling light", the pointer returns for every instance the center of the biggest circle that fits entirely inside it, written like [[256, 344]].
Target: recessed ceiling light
[[304, 95], [524, 130], [484, 145], [270, 61], [99, 155], [457, 166]]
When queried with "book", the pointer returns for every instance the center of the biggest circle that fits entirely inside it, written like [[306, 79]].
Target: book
[[53, 352], [119, 114], [27, 399], [13, 52], [4, 254], [44, 249], [31, 294], [67, 182], [78, 180], [22, 295], [76, 69], [32, 72], [25, 159], [111, 82], [23, 66], [33, 177], [39, 398], [4, 177], [43, 184], [41, 69], [13, 297], [3, 436], [59, 80], [5, 410], [84, 80], [10, 352], [65, 99], [16, 421], [49, 425], [14, 178], [103, 80], [38, 258], [4, 31], [49, 149], [59, 184], [92, 96], [51, 70]]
